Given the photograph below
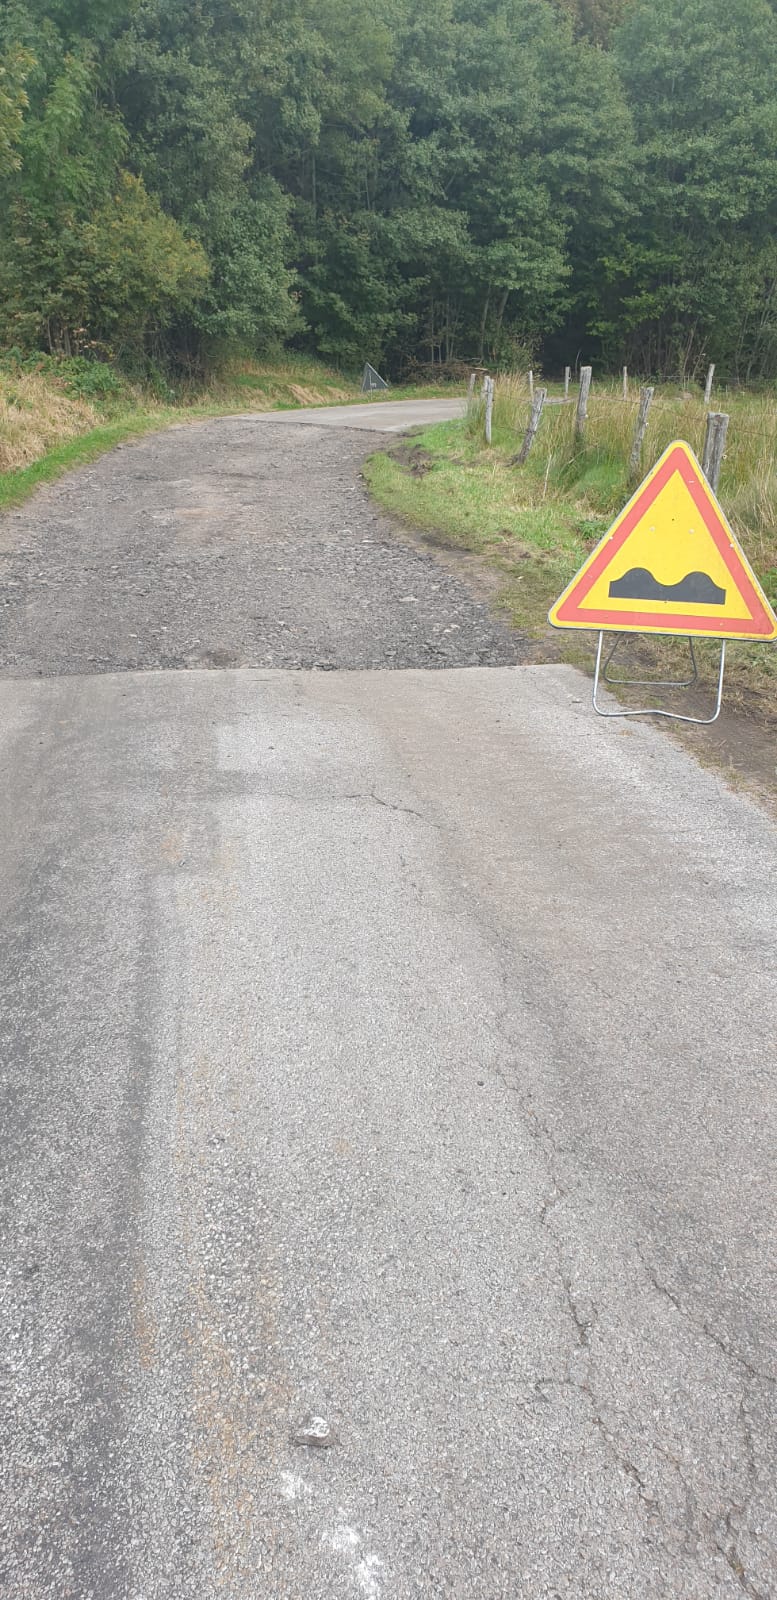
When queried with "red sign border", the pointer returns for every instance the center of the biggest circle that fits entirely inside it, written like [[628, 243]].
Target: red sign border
[[569, 612]]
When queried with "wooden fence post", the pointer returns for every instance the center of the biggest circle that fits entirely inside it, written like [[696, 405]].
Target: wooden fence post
[[708, 384], [714, 445], [645, 400], [471, 388], [567, 374], [530, 434], [625, 383], [582, 403], [531, 384], [489, 407]]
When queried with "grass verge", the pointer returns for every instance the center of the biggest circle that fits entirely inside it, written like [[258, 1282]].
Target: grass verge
[[535, 524]]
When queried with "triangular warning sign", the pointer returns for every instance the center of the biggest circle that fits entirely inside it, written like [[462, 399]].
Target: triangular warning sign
[[669, 564], [372, 379]]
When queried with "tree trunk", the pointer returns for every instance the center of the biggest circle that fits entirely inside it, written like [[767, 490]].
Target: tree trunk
[[500, 317]]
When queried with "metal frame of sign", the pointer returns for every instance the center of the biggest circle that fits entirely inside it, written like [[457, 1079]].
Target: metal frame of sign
[[368, 387], [655, 683]]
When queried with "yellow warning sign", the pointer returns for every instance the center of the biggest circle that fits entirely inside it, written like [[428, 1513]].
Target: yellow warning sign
[[669, 564]]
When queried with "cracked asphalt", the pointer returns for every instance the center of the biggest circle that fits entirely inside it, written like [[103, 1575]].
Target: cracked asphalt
[[381, 1045]]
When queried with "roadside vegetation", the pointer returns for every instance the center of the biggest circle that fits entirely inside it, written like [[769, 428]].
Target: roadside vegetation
[[58, 412], [535, 524], [47, 402]]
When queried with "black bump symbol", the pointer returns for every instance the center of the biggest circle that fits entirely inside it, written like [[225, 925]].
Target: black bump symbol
[[696, 588]]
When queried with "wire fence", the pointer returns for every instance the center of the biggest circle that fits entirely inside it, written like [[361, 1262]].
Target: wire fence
[[544, 432]]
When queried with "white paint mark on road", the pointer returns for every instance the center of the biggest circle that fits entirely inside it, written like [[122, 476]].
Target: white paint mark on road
[[292, 1486], [347, 1541], [367, 1575]]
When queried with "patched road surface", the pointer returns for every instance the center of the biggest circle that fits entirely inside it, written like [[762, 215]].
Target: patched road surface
[[381, 1045]]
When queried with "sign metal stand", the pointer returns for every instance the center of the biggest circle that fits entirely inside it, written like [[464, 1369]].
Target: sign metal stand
[[601, 673], [372, 380]]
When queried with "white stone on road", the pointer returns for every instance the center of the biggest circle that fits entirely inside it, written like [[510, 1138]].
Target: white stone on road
[[395, 1049]]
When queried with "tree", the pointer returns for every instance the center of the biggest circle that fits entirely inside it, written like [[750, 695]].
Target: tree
[[184, 82], [14, 67], [517, 141], [694, 273], [595, 20], [89, 257], [249, 299], [404, 180]]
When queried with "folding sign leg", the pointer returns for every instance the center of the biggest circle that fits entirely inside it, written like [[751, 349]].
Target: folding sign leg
[[648, 683], [655, 711]]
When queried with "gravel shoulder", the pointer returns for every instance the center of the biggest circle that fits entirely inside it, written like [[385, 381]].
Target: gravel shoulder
[[230, 543]]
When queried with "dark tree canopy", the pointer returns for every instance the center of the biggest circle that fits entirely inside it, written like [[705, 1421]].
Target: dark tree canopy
[[404, 181]]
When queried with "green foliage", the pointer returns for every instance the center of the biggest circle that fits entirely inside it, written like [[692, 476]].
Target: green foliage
[[596, 19], [249, 299], [400, 180], [15, 65], [696, 278], [89, 259], [78, 375]]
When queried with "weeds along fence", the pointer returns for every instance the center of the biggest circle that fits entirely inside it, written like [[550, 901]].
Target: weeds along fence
[[554, 447]]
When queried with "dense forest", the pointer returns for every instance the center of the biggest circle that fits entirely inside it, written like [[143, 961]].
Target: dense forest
[[413, 182]]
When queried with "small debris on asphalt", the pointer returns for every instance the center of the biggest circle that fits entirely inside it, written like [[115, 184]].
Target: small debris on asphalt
[[317, 1433]]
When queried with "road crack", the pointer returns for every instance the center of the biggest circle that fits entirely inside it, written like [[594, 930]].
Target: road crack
[[390, 805], [736, 1513], [702, 1327], [733, 1516]]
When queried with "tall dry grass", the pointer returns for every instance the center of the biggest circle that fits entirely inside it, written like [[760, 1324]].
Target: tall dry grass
[[36, 414], [46, 407]]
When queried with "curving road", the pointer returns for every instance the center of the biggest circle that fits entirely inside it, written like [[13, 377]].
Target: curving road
[[245, 542], [381, 1045]]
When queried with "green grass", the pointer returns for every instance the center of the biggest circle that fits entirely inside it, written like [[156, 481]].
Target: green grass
[[117, 411], [444, 486], [416, 391], [535, 524]]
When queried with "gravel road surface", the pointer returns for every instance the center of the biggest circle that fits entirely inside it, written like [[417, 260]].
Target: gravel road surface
[[387, 1047], [249, 541]]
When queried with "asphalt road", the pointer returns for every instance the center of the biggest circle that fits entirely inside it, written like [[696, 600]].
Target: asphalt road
[[377, 416], [394, 1047]]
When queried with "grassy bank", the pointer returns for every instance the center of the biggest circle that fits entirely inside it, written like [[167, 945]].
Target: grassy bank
[[534, 524], [20, 482]]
